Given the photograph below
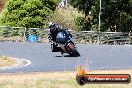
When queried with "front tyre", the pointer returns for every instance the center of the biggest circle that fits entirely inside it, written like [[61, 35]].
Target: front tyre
[[72, 50], [75, 53]]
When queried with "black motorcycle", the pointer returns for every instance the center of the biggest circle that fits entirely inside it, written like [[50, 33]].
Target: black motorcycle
[[64, 44]]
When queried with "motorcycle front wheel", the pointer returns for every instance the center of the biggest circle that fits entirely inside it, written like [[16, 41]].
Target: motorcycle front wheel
[[73, 52]]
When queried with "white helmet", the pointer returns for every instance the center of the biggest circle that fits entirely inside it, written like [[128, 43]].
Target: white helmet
[[50, 23]]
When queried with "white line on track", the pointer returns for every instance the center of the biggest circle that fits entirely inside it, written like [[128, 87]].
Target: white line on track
[[20, 63]]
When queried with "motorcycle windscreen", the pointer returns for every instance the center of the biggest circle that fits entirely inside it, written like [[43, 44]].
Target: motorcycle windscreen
[[62, 37]]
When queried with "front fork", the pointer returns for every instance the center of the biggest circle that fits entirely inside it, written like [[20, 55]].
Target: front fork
[[69, 47]]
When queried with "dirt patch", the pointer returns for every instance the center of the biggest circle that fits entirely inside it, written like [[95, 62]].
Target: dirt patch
[[6, 61]]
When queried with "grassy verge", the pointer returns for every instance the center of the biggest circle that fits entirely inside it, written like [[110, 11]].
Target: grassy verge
[[56, 80], [6, 61]]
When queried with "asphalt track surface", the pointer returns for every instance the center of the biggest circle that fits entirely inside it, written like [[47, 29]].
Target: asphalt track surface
[[93, 57]]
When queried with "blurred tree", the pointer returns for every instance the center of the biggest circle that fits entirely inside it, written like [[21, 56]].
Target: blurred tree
[[116, 14], [82, 5], [83, 24], [27, 13]]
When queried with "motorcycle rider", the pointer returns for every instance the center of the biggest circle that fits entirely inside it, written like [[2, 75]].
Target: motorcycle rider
[[54, 30]]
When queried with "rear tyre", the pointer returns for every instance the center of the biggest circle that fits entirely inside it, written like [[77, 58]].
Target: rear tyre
[[54, 48]]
